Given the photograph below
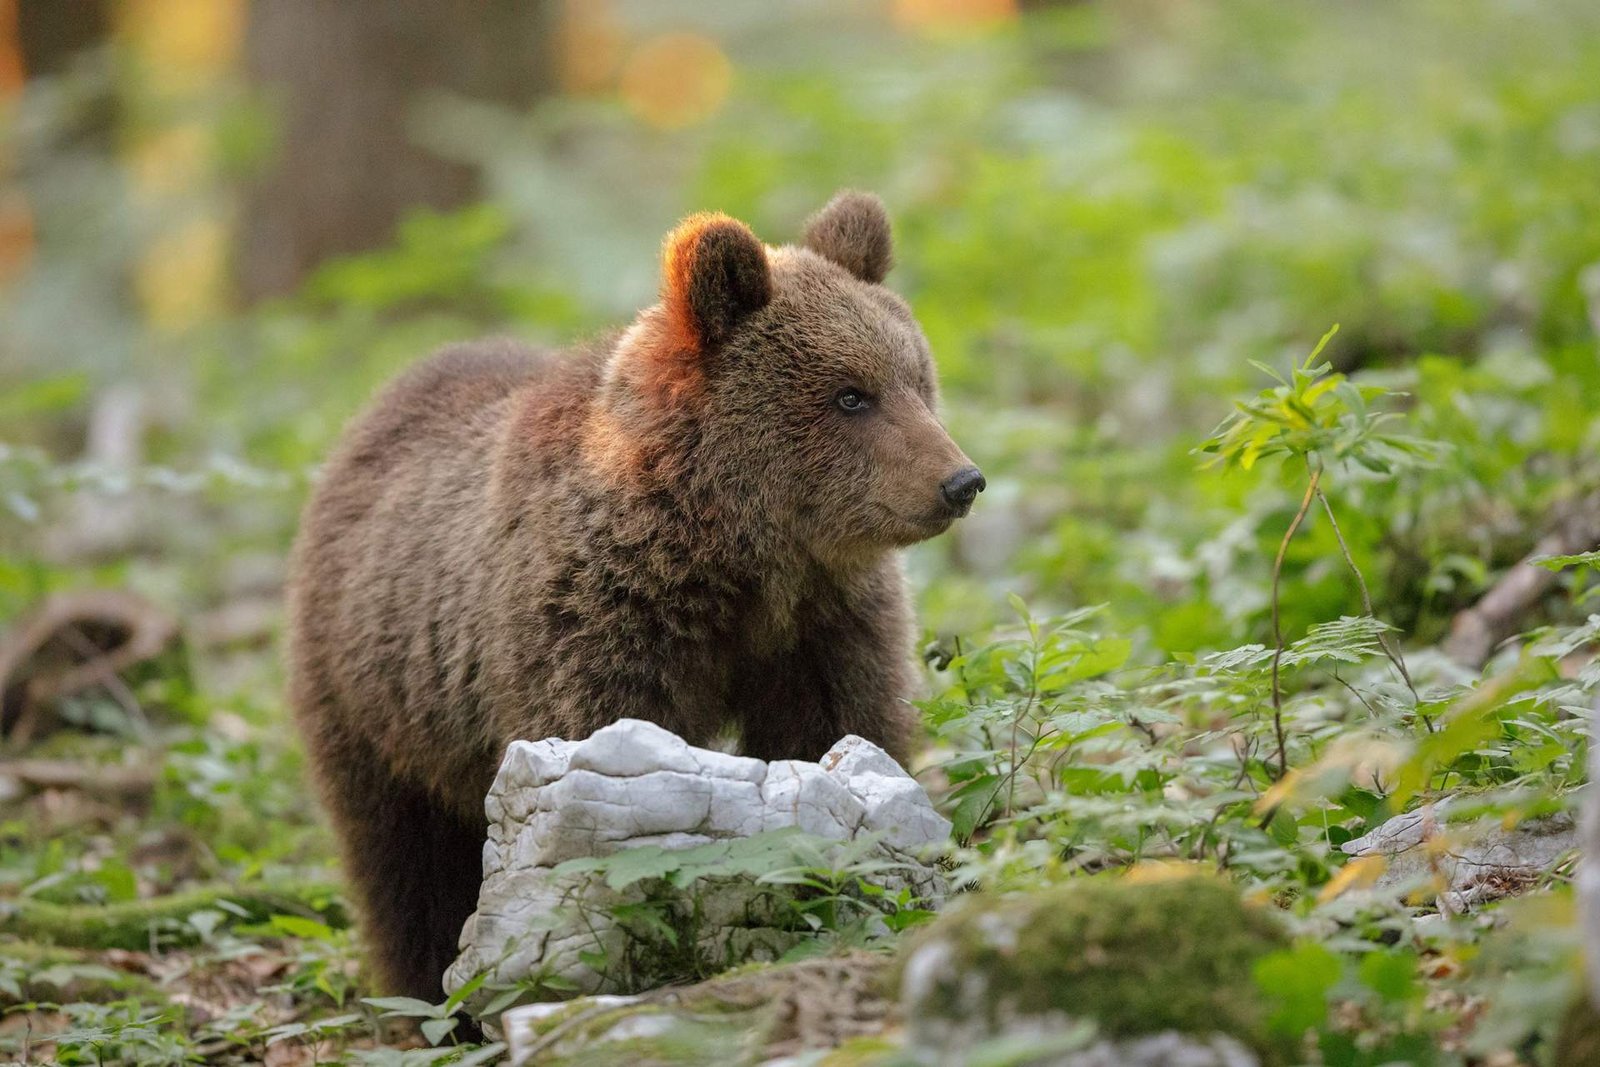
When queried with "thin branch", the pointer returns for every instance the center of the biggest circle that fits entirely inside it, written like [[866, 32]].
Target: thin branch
[[1277, 627], [1243, 754], [112, 682], [1477, 631], [1144, 728], [1357, 694], [1027, 710], [1010, 778], [1366, 605]]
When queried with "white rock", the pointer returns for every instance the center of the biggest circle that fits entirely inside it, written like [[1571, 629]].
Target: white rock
[[537, 762], [520, 1025], [803, 795], [895, 805], [854, 755], [1465, 863], [728, 767], [634, 784], [632, 747]]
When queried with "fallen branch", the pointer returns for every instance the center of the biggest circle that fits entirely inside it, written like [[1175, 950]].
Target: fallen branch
[[164, 921], [74, 642], [97, 778], [1477, 631]]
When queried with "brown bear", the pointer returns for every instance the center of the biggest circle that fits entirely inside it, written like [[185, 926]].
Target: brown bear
[[692, 522]]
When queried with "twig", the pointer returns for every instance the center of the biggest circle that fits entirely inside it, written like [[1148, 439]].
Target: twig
[[1027, 710], [1144, 728], [28, 679], [1478, 630], [1242, 753], [113, 780], [110, 680], [1010, 777], [1366, 605], [1277, 628], [1357, 694]]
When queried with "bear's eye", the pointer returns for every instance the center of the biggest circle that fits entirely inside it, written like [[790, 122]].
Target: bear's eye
[[852, 401]]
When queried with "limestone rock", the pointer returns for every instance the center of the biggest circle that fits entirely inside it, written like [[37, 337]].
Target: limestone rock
[[634, 784], [1465, 863]]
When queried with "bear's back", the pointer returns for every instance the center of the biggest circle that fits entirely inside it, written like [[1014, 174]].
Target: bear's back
[[416, 457], [445, 401], [387, 557]]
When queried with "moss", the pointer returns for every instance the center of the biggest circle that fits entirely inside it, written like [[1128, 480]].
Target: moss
[[862, 1052], [1136, 958], [758, 1012], [137, 924], [1578, 1043]]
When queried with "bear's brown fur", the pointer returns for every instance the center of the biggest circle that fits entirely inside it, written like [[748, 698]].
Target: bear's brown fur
[[690, 522]]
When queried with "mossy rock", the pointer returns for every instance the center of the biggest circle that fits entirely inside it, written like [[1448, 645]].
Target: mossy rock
[[1136, 958], [750, 1015]]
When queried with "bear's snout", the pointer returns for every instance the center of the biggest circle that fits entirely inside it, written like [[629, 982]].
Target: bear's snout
[[962, 488]]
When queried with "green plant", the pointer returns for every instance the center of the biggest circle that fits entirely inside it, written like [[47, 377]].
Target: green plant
[[812, 892], [1318, 418]]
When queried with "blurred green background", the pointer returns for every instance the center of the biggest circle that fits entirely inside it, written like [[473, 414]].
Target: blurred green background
[[223, 223]]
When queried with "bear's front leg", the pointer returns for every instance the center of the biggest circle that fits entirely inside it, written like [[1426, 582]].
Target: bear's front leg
[[849, 672]]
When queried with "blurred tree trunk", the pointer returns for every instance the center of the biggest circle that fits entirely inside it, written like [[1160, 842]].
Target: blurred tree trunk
[[51, 36], [50, 33], [345, 77]]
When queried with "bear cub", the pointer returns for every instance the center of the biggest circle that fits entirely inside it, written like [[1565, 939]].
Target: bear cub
[[692, 522]]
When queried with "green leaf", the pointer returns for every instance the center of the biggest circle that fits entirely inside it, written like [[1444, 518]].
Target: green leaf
[[436, 1030], [1556, 563], [484, 1054], [300, 926], [1296, 982], [404, 1007], [42, 396], [645, 919], [1317, 351], [976, 796], [1392, 974], [503, 1000], [471, 986]]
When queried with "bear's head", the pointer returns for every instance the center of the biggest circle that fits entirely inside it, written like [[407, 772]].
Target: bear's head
[[789, 388]]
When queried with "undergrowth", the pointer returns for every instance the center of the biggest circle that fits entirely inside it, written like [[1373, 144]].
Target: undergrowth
[[1154, 646]]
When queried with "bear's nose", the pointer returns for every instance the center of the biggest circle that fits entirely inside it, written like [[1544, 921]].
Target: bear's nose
[[962, 488]]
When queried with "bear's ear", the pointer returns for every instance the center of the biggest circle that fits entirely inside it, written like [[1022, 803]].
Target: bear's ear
[[853, 231], [714, 275]]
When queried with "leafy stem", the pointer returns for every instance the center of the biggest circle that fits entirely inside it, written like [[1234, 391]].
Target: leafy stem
[[1277, 625]]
